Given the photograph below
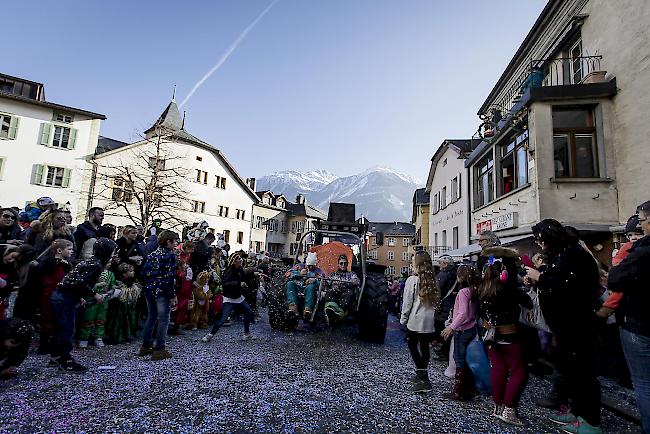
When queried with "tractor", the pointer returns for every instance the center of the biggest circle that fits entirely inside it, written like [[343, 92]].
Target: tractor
[[369, 302]]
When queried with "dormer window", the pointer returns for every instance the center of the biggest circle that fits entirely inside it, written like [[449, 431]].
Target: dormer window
[[63, 117]]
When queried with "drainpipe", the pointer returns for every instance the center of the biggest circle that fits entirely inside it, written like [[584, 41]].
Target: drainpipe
[[91, 188]]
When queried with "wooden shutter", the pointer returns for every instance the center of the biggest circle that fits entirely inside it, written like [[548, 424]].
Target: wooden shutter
[[460, 188], [13, 127], [37, 174], [72, 140], [46, 134], [66, 177]]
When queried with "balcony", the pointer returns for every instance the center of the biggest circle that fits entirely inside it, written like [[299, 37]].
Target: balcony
[[562, 71]]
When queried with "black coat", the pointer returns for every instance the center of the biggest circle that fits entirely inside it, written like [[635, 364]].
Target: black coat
[[232, 280], [83, 233], [569, 291], [632, 278], [446, 280], [12, 232]]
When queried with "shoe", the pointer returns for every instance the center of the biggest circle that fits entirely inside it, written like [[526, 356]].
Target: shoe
[[509, 415], [228, 323], [53, 363], [176, 331], [293, 310], [457, 391], [307, 314], [207, 338], [72, 366], [549, 403], [247, 337], [498, 411], [423, 384], [414, 379], [99, 342], [160, 354], [83, 344], [581, 426], [563, 418], [145, 351]]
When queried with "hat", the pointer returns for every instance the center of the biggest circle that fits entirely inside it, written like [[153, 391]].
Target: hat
[[45, 201], [446, 258], [234, 257], [632, 225], [312, 259]]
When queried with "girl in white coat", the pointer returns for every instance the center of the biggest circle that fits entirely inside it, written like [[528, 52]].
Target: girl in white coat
[[421, 298]]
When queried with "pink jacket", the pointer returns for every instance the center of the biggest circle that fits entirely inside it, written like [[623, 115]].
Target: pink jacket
[[464, 311]]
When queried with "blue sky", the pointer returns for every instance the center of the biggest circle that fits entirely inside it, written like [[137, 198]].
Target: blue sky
[[340, 85]]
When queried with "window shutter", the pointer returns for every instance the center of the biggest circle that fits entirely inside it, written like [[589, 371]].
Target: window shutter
[[13, 127], [72, 141], [46, 134], [37, 174], [66, 177], [460, 188]]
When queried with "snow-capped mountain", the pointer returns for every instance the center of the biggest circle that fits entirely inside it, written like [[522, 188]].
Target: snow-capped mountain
[[380, 193]]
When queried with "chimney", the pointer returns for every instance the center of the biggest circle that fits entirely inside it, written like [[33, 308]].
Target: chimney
[[252, 183], [300, 199]]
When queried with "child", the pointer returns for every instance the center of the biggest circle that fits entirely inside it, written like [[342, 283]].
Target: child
[[198, 317], [184, 277], [69, 294], [121, 318], [53, 269], [15, 337], [463, 329], [94, 317]]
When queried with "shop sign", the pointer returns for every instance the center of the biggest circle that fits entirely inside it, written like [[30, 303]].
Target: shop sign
[[484, 226], [499, 223]]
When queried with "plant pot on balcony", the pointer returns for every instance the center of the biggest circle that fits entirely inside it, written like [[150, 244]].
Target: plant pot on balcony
[[594, 77]]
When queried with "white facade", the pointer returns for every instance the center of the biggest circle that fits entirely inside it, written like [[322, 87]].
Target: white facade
[[270, 230], [43, 156], [449, 201]]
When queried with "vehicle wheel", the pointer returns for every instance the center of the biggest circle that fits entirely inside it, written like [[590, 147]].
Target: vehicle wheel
[[373, 311]]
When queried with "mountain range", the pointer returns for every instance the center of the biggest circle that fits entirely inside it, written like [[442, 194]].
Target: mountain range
[[380, 193]]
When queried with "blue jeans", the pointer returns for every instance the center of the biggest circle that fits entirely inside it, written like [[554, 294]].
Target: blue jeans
[[158, 309], [310, 293], [637, 353], [64, 307], [227, 309], [462, 338]]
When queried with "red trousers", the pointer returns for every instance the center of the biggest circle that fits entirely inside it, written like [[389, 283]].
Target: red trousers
[[507, 373]]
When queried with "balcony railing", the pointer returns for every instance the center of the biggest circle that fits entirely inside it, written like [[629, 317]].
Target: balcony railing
[[547, 72], [438, 250]]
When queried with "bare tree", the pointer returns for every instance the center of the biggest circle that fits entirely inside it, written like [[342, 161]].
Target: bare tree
[[147, 183]]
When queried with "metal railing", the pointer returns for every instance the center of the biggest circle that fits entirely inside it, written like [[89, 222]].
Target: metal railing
[[437, 250], [546, 72]]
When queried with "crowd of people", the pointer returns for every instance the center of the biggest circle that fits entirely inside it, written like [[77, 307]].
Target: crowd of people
[[96, 284], [511, 311]]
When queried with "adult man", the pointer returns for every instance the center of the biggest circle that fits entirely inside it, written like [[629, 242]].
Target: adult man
[[340, 291], [305, 277], [631, 278], [89, 228], [448, 290]]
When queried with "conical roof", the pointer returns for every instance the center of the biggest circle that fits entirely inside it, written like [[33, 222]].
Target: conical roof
[[169, 120]]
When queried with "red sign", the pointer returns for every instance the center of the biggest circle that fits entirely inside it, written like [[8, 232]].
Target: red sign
[[483, 226]]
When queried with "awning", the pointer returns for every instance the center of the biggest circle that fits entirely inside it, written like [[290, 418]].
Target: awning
[[464, 251], [509, 240]]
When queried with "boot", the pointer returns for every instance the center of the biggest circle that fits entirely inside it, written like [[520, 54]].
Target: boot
[[160, 354], [145, 351], [414, 379], [468, 390], [457, 391], [423, 384], [176, 331]]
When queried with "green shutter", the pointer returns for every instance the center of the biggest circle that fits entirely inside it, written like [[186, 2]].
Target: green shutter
[[37, 174], [46, 134], [13, 127], [72, 141], [66, 177]]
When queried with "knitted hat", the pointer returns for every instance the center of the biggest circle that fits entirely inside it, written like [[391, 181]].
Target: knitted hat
[[234, 257], [312, 259], [632, 225]]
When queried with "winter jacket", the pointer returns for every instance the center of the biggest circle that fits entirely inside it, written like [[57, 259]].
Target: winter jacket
[[84, 232], [416, 315], [80, 281], [569, 291], [41, 244], [632, 278], [127, 250], [12, 232], [53, 270], [151, 244], [200, 257], [159, 273], [231, 280]]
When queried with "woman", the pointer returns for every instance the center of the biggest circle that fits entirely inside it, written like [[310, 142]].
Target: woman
[[10, 230], [421, 297], [234, 283], [130, 250], [499, 300], [568, 295], [52, 227]]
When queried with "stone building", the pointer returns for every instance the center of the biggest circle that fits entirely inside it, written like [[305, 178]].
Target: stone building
[[396, 251], [420, 219]]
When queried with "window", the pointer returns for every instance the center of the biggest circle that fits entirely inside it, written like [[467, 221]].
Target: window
[[63, 117], [58, 136], [444, 162], [373, 254], [391, 256], [199, 158], [122, 190], [8, 126], [405, 242], [390, 270], [405, 256], [444, 238], [221, 183], [198, 206], [51, 176], [435, 239], [240, 238], [226, 236], [443, 195], [514, 163], [485, 181], [436, 203], [454, 190], [201, 176], [454, 239], [157, 162], [404, 270], [223, 211], [2, 166], [574, 143], [240, 214], [575, 54], [374, 241], [391, 242]]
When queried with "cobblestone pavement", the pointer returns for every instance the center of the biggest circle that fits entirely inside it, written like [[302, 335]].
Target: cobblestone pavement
[[299, 382]]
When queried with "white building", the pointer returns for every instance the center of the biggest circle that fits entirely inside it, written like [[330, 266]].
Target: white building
[[447, 185], [208, 186], [44, 147]]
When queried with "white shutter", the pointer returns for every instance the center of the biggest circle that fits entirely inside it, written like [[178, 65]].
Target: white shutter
[[46, 134], [37, 174], [66, 177], [13, 127], [72, 140]]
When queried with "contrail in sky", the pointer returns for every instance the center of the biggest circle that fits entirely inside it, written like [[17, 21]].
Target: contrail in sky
[[229, 51]]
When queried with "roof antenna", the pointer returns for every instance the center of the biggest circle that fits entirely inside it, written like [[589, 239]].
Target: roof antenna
[[174, 94], [183, 124]]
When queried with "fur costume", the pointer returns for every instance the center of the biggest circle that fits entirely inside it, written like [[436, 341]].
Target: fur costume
[[198, 315]]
